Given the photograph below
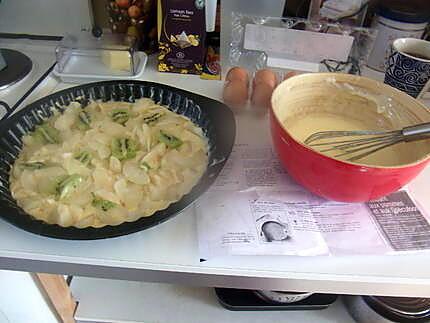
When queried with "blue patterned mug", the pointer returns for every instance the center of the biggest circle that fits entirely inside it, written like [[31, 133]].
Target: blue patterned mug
[[408, 66]]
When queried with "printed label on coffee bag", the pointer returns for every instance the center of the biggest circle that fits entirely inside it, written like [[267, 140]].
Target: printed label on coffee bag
[[182, 37]]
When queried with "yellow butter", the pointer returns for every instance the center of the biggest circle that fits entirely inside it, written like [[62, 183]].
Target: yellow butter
[[117, 60]]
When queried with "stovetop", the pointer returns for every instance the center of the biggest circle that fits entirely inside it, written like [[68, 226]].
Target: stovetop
[[42, 55]]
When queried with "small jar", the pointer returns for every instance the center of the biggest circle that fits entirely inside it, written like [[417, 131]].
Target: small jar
[[137, 19], [395, 19]]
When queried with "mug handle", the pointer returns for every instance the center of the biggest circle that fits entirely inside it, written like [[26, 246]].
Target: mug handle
[[424, 90], [392, 52]]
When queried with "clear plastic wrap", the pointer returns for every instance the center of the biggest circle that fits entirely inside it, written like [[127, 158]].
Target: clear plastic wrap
[[239, 55]]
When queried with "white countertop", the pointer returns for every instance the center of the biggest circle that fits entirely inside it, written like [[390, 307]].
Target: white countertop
[[169, 252]]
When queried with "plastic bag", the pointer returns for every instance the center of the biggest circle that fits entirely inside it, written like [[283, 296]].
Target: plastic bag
[[362, 40]]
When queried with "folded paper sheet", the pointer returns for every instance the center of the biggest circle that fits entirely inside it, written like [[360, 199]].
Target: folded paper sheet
[[255, 208]]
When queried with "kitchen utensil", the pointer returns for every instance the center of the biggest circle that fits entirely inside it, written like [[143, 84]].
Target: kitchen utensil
[[210, 12], [381, 309], [247, 300], [216, 120], [359, 144], [279, 297], [361, 312], [408, 66], [401, 308], [335, 179]]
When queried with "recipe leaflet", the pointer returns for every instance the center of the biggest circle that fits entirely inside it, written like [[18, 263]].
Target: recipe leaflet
[[255, 208]]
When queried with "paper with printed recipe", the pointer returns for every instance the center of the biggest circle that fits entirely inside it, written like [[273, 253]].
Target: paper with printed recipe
[[255, 208]]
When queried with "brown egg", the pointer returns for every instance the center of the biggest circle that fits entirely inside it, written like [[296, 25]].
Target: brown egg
[[265, 76], [235, 93], [289, 74], [261, 95], [237, 74]]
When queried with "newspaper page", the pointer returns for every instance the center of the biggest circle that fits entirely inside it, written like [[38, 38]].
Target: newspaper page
[[255, 208]]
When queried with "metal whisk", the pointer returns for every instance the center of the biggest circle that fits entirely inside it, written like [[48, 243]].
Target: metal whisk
[[365, 142]]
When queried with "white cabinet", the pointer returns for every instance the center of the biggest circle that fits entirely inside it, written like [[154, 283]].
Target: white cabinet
[[21, 300]]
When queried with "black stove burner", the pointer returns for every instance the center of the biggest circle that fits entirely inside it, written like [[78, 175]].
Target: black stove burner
[[18, 66]]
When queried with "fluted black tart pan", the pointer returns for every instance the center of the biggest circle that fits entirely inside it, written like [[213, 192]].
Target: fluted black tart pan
[[216, 120]]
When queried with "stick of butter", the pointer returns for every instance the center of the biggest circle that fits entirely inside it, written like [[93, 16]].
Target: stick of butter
[[117, 60]]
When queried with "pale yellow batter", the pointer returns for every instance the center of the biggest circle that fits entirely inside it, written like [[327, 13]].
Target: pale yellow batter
[[304, 126], [311, 103]]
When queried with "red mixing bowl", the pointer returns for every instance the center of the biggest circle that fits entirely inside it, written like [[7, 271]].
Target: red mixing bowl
[[329, 177]]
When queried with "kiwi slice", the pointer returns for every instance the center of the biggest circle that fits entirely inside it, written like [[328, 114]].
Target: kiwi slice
[[69, 185], [145, 166], [102, 204], [170, 140], [120, 116], [84, 120], [153, 117], [33, 165], [84, 157], [123, 148], [47, 134]]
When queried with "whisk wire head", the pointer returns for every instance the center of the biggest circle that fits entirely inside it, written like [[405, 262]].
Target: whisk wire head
[[364, 142], [361, 143], [337, 134], [374, 148]]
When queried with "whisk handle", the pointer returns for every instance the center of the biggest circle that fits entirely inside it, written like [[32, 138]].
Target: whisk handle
[[421, 130]]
